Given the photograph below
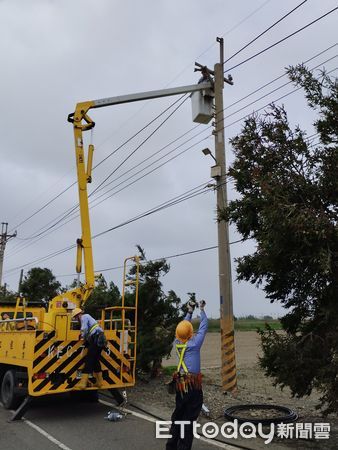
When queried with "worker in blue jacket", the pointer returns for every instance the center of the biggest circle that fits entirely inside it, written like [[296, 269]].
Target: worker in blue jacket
[[95, 340], [188, 378]]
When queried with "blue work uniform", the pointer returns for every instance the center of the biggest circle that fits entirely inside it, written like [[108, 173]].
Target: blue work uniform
[[94, 336], [188, 401], [192, 356], [89, 326]]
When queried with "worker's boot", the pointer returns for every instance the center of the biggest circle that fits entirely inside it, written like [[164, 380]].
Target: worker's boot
[[82, 384], [99, 379]]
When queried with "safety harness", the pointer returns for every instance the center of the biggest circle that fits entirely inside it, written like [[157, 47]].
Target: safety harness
[[92, 328], [184, 381], [180, 350]]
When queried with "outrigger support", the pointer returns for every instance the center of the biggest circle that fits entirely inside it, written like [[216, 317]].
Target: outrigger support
[[17, 415]]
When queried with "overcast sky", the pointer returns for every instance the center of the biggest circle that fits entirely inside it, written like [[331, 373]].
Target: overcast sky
[[55, 53]]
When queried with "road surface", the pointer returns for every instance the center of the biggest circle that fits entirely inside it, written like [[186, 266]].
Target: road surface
[[55, 422]]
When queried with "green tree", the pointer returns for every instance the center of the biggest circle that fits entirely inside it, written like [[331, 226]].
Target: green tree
[[158, 315], [40, 284], [288, 190], [102, 297], [7, 296]]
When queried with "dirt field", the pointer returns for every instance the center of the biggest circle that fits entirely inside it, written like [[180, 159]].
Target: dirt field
[[253, 387], [246, 344]]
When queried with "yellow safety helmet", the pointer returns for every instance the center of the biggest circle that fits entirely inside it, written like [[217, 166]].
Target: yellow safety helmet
[[184, 331], [76, 312]]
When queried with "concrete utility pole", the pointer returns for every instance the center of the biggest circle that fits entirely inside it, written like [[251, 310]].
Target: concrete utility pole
[[229, 376], [4, 238]]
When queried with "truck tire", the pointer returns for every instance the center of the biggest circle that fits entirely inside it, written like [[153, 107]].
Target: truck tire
[[9, 398]]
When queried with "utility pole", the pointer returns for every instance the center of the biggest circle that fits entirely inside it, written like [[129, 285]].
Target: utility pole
[[228, 371], [218, 172], [20, 281], [4, 238]]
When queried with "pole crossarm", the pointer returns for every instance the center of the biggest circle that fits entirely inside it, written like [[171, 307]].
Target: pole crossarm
[[202, 68]]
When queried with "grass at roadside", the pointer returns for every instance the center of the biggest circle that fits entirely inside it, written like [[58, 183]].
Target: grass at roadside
[[168, 370]]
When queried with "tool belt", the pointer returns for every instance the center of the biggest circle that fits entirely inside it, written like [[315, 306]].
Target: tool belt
[[99, 339], [184, 382]]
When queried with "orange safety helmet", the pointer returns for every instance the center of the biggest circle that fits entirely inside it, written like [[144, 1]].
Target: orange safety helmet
[[184, 331]]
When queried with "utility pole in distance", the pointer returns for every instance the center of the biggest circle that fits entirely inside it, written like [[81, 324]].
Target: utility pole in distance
[[4, 238], [229, 376]]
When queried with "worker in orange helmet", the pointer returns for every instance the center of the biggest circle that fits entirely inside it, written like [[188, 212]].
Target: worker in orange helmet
[[187, 378], [94, 337]]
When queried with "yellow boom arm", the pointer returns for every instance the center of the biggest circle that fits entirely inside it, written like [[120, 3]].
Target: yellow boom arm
[[82, 122]]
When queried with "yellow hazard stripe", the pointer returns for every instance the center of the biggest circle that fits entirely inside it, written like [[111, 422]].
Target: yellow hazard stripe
[[53, 363], [62, 360], [228, 372], [107, 362]]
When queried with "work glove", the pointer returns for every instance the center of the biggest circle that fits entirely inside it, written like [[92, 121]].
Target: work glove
[[191, 307], [202, 305]]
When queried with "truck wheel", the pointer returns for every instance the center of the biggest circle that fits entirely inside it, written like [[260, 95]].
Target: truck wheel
[[9, 398]]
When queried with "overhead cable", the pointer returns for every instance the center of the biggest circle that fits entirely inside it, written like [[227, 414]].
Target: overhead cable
[[265, 31], [281, 40], [99, 163], [142, 143], [169, 203], [76, 207]]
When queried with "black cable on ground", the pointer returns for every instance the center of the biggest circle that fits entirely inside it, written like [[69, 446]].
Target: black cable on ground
[[161, 418], [287, 414]]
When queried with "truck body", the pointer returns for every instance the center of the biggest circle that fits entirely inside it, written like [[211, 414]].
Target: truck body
[[41, 350]]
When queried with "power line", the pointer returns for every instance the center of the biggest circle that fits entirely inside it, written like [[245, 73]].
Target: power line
[[281, 40], [205, 51], [138, 132], [67, 213], [276, 89], [75, 207], [265, 106], [142, 143], [46, 204], [154, 210], [205, 130], [128, 140], [162, 206], [172, 203], [226, 33], [94, 205], [151, 171], [156, 153], [63, 216], [57, 196], [177, 255], [97, 165], [265, 31], [279, 77]]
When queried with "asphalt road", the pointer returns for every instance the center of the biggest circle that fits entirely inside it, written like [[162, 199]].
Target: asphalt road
[[65, 423]]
